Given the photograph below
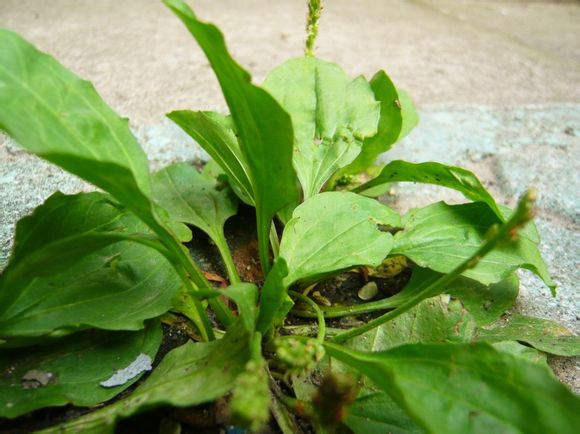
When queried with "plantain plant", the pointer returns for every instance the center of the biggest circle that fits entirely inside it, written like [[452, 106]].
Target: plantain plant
[[92, 276]]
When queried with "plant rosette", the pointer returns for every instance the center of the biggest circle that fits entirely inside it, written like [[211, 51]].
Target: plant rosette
[[97, 282]]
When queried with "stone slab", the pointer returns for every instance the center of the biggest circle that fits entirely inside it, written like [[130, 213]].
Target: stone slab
[[447, 51]]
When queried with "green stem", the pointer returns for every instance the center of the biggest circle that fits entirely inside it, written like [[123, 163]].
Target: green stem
[[314, 10], [319, 315], [505, 232], [192, 308], [183, 264], [308, 330], [256, 346], [274, 240], [191, 267], [358, 309], [223, 314], [263, 242], [223, 248], [342, 337]]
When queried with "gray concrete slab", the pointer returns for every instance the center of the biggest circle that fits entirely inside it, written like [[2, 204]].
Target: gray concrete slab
[[145, 64], [497, 83]]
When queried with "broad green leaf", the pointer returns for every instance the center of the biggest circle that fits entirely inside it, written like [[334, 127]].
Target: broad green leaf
[[542, 334], [485, 303], [213, 170], [182, 233], [331, 113], [50, 111], [193, 198], [437, 319], [265, 129], [442, 236], [189, 375], [377, 413], [52, 237], [221, 143], [453, 177], [71, 369], [335, 231], [524, 351], [390, 124], [274, 293], [53, 113], [70, 264], [468, 388], [114, 288], [408, 112]]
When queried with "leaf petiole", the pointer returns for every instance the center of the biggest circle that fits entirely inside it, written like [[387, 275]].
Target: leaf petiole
[[274, 240], [340, 311], [222, 246], [263, 242], [308, 330], [192, 308], [319, 315], [224, 315]]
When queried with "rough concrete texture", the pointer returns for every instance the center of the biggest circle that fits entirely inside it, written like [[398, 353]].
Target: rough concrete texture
[[144, 62], [497, 83]]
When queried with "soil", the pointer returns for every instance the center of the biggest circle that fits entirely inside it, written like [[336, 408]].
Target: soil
[[240, 233]]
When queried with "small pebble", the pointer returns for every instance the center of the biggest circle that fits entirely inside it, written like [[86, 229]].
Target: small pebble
[[368, 291], [35, 378]]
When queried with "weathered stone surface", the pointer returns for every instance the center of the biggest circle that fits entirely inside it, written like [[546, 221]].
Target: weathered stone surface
[[25, 182], [145, 63], [554, 170], [560, 250], [166, 143]]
